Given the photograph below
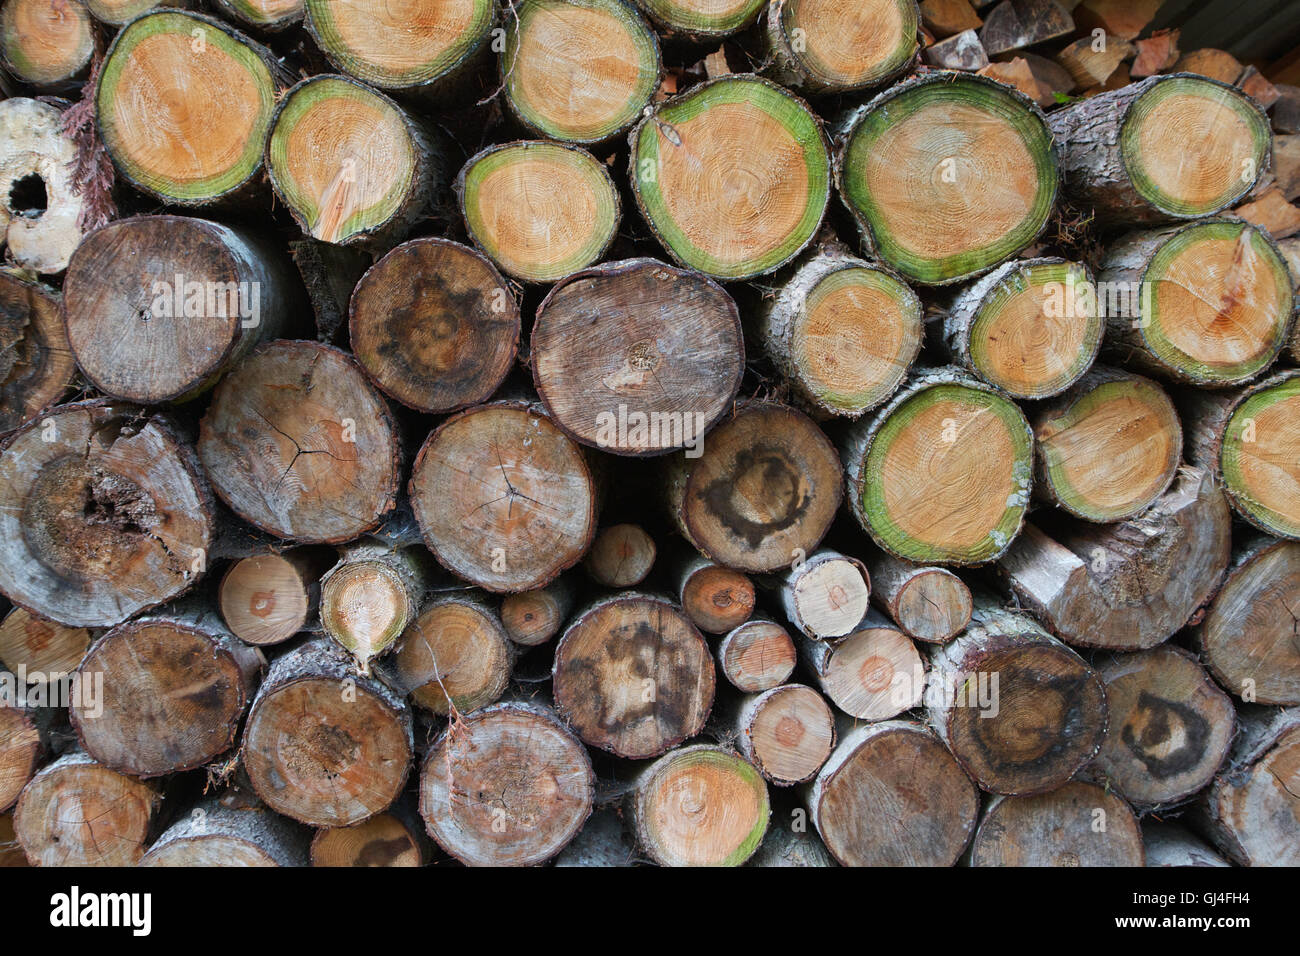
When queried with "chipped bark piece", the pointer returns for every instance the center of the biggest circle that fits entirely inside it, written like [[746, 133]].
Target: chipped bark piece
[[1168, 844], [1247, 637], [763, 493], [1170, 147], [329, 274], [1130, 585], [1258, 88], [785, 846], [1090, 66], [873, 673], [715, 598], [621, 556], [1207, 303], [434, 325], [1014, 24], [787, 733], [76, 813], [1123, 19], [387, 839], [928, 603], [1061, 828], [1016, 73], [701, 20], [539, 210], [1170, 726], [825, 46], [534, 617], [503, 497], [36, 364], [269, 16], [1286, 166], [159, 307], [1107, 448], [842, 331], [442, 40], [959, 52], [941, 474], [509, 786], [47, 43], [211, 834], [700, 806], [637, 357], [266, 599], [1286, 111], [943, 18], [578, 72], [732, 129], [183, 105], [1272, 213], [175, 687], [351, 165], [41, 206], [1030, 327], [910, 198], [1251, 812], [632, 676], [298, 444], [371, 595], [826, 594], [22, 746], [454, 656], [324, 745], [107, 518], [1216, 64], [1247, 438], [933, 806], [756, 656], [1155, 54], [1006, 673], [43, 649]]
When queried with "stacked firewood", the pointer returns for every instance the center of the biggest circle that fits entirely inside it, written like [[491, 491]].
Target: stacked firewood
[[695, 433]]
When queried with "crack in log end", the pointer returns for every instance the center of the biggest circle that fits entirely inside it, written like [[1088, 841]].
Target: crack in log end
[[317, 752], [81, 520]]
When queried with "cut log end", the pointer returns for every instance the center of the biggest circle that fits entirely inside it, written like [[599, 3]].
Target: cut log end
[[455, 655], [21, 748], [827, 595], [265, 599], [872, 674], [702, 19], [383, 840], [44, 649], [822, 46], [41, 203], [1259, 459], [213, 834], [534, 617], [757, 656], [621, 556], [1080, 824], [717, 599], [930, 604], [47, 43], [788, 733]]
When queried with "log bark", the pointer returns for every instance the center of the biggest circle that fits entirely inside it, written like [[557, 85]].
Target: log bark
[[23, 743], [1097, 67], [268, 598], [1166, 148], [77, 813], [298, 444], [329, 274], [1081, 824], [352, 166], [1029, 327], [1170, 726], [756, 656], [324, 745], [35, 358], [826, 595], [928, 604], [213, 834], [636, 357], [603, 841], [842, 331], [621, 556], [1013, 25], [1248, 637], [716, 599], [910, 197], [1005, 674], [1130, 585], [503, 497], [207, 87], [700, 21], [1168, 844], [510, 786], [175, 686], [41, 203], [762, 494], [44, 650], [46, 43], [534, 617], [898, 764], [822, 47], [874, 673], [117, 13], [1108, 448], [455, 657], [104, 514], [738, 128], [1248, 440], [960, 52], [435, 325], [1205, 304], [787, 732], [784, 846], [699, 806], [632, 676], [159, 307], [1250, 812], [371, 595], [942, 473]]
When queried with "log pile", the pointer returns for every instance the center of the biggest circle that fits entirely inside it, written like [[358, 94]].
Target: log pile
[[503, 432]]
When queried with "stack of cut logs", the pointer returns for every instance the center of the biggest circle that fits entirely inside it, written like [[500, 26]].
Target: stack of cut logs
[[691, 432]]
